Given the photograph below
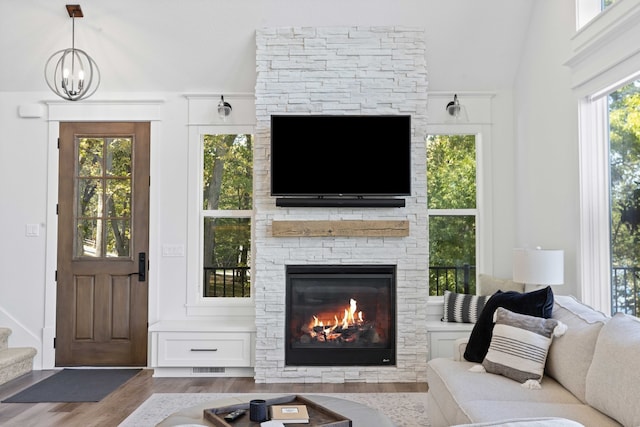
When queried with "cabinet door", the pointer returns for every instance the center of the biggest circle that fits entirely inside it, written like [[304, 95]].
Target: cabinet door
[[204, 349]]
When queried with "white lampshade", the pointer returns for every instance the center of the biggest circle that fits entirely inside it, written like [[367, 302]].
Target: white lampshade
[[538, 266]]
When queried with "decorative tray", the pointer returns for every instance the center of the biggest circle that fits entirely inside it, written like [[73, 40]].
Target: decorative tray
[[318, 414]]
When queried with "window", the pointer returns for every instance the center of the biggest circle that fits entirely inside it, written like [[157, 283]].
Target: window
[[227, 194], [453, 214], [624, 167], [220, 221], [610, 184], [589, 9], [605, 58]]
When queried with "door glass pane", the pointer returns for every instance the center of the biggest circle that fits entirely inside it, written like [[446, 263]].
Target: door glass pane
[[118, 238], [452, 254], [103, 188], [227, 251], [624, 157], [118, 198], [89, 157], [89, 197], [87, 238], [118, 162]]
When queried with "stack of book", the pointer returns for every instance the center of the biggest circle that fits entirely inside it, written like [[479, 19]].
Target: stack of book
[[294, 414]]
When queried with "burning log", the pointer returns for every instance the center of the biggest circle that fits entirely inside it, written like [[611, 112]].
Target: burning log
[[350, 329]]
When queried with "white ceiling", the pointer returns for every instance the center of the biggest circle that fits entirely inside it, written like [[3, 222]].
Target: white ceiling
[[209, 45]]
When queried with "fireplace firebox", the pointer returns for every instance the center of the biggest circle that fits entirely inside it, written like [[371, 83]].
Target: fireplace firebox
[[340, 315]]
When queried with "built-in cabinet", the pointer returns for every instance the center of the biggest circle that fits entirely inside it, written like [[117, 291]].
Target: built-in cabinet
[[202, 348], [216, 347]]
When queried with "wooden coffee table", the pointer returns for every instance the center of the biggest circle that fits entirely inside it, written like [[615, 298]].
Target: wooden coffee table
[[360, 415]]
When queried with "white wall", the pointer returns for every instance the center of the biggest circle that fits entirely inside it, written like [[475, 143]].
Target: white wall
[[23, 197], [546, 126], [490, 40]]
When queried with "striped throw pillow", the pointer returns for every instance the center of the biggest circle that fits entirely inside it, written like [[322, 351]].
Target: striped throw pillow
[[463, 308], [519, 346]]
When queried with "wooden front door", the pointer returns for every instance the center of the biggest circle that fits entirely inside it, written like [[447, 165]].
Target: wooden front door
[[103, 239]]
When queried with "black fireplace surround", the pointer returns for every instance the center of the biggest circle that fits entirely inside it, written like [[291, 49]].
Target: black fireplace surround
[[340, 315]]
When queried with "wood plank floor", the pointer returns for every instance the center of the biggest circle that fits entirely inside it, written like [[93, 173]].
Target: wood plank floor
[[113, 409]]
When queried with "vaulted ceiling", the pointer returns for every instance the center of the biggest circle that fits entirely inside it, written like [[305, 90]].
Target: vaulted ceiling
[[209, 45]]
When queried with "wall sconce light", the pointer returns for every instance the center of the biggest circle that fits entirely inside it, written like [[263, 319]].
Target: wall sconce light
[[456, 112], [538, 267], [224, 108], [71, 73]]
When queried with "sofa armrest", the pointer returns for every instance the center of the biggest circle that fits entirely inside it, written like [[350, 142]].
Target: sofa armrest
[[459, 347]]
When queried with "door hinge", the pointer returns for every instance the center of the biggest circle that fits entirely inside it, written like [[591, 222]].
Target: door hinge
[[58, 143], [57, 209], [54, 342], [56, 276]]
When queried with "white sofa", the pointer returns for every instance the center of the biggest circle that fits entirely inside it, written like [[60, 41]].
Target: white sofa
[[592, 377]]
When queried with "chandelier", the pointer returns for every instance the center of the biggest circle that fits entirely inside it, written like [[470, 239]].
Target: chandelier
[[71, 73]]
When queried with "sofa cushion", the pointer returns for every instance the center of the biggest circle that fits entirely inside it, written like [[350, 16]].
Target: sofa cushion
[[612, 381], [526, 422], [458, 396], [519, 346], [536, 303], [491, 410], [489, 285], [569, 358], [463, 308]]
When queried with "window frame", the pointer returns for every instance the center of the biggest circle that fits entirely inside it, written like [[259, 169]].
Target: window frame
[[595, 265], [482, 211], [604, 57], [197, 304]]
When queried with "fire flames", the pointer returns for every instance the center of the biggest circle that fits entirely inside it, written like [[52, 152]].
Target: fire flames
[[338, 328]]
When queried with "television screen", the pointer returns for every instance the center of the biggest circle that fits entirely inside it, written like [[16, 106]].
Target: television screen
[[347, 155]]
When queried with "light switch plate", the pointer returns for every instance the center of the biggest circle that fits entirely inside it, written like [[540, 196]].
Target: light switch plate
[[32, 230], [172, 250]]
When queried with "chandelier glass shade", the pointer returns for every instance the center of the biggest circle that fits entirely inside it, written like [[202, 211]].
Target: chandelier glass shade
[[71, 73]]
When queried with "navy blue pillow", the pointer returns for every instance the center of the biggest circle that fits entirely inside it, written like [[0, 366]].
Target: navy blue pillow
[[536, 303]]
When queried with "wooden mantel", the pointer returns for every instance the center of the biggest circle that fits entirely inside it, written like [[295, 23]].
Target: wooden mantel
[[346, 228]]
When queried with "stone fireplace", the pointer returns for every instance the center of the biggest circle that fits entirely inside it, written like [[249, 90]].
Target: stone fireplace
[[340, 315], [341, 70]]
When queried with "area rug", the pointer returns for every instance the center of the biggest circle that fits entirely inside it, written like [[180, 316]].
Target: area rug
[[74, 385], [404, 409]]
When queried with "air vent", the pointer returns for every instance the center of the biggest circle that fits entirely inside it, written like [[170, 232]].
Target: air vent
[[208, 370]]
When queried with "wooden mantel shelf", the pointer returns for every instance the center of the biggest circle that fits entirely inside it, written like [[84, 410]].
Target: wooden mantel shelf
[[346, 228]]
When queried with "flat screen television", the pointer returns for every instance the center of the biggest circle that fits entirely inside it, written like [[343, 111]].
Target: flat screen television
[[340, 155]]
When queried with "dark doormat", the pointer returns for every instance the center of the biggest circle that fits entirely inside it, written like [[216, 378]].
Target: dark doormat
[[74, 385]]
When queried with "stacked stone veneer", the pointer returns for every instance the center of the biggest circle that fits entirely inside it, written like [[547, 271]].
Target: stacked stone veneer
[[344, 70]]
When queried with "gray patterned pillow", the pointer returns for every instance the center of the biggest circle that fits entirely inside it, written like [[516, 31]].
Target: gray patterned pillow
[[463, 308], [519, 346]]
